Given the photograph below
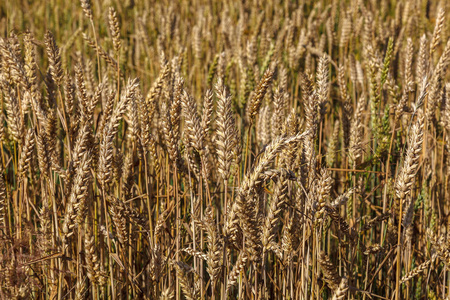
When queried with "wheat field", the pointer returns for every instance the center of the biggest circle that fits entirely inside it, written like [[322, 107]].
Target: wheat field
[[294, 149]]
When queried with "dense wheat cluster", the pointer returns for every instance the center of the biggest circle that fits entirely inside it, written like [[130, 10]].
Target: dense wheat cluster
[[224, 150]]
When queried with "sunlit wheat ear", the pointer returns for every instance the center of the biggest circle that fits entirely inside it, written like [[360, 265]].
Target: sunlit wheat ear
[[81, 288], [207, 112], [44, 158], [13, 64], [186, 283], [260, 91], [107, 112], [195, 133], [134, 131], [81, 145], [14, 114], [225, 135], [437, 29], [13, 40], [237, 269], [357, 133], [86, 5], [422, 60], [322, 85], [114, 28], [243, 210], [408, 76], [406, 176], [127, 174], [155, 91], [91, 258], [417, 271], [167, 294], [54, 57], [341, 291], [276, 205], [120, 223], [127, 95], [288, 240], [279, 111], [30, 63], [263, 131], [215, 246], [82, 92], [26, 154], [321, 192], [76, 208]]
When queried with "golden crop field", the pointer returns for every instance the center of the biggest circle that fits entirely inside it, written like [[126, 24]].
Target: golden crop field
[[292, 149]]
